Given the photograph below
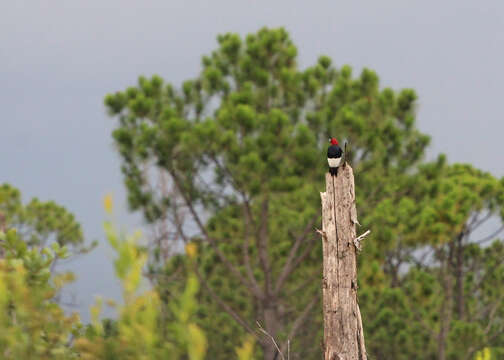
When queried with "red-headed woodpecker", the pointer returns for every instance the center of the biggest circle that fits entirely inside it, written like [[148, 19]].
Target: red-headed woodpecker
[[334, 154]]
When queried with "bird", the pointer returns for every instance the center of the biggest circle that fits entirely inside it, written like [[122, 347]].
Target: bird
[[334, 154]]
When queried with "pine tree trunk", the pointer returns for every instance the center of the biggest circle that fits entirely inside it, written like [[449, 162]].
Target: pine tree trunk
[[343, 333], [459, 277], [445, 313], [271, 323], [269, 351]]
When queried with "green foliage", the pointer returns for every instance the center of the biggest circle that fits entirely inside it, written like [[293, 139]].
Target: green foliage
[[32, 238], [138, 333], [40, 223], [31, 325], [435, 213], [254, 118], [243, 145], [251, 130], [34, 327]]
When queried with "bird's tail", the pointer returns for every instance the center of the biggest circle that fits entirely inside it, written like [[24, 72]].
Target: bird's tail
[[333, 171]]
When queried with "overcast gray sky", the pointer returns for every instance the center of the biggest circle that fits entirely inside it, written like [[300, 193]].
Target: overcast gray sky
[[59, 58]]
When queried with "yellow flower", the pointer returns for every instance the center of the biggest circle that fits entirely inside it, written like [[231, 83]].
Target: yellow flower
[[191, 249], [108, 203]]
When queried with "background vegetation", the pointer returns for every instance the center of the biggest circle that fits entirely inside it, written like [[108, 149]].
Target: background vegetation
[[229, 166]]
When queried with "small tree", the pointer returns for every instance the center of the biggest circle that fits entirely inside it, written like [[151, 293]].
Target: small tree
[[32, 327]]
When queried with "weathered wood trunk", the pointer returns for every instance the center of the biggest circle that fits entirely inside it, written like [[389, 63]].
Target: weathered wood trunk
[[343, 334]]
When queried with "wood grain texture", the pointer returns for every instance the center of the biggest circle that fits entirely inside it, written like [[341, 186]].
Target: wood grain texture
[[343, 333]]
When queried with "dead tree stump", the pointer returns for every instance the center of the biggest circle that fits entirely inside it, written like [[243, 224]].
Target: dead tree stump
[[343, 333]]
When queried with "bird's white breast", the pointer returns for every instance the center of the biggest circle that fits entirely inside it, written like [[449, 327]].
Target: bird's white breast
[[334, 162]]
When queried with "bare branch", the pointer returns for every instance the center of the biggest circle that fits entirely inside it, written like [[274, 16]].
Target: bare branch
[[357, 241], [422, 258], [301, 319], [225, 306], [288, 267], [491, 236], [307, 250], [491, 315], [480, 222], [309, 280], [180, 230], [271, 337], [212, 241], [249, 220], [473, 218]]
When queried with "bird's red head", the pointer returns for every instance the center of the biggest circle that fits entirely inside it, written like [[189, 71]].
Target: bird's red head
[[334, 141]]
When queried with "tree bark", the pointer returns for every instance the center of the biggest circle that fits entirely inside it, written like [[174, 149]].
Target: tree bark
[[271, 323], [445, 312], [343, 333], [459, 277]]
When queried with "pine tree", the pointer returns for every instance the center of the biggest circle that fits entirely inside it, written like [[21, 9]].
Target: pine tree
[[242, 146]]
